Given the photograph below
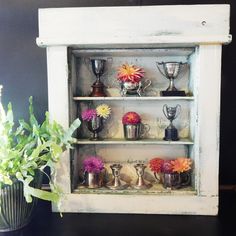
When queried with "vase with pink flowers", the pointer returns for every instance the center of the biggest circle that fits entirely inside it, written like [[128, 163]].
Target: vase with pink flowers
[[134, 129], [94, 119], [173, 174], [93, 167]]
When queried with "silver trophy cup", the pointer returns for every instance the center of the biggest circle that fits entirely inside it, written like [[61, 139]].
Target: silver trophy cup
[[98, 87], [171, 70], [171, 113]]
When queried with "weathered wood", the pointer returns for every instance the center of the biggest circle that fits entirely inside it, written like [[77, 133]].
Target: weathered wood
[[184, 24], [202, 28]]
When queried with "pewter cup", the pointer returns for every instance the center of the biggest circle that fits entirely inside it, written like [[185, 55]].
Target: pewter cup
[[92, 180], [136, 131]]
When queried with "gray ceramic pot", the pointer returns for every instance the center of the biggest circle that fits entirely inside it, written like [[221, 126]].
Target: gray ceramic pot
[[15, 212]]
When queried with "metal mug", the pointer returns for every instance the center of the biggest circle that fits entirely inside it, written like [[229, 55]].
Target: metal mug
[[176, 180], [92, 180], [135, 131]]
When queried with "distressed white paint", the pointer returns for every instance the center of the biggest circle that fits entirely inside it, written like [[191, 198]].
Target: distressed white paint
[[209, 114], [58, 103], [162, 26], [145, 204], [192, 24]]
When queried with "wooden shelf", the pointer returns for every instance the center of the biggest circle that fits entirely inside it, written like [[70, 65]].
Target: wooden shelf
[[133, 98], [142, 141], [156, 189]]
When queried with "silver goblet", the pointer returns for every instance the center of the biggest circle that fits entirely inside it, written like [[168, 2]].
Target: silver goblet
[[171, 70], [95, 126]]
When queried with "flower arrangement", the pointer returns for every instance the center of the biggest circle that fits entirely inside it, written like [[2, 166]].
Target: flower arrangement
[[179, 165], [130, 73], [131, 118], [93, 164], [102, 110]]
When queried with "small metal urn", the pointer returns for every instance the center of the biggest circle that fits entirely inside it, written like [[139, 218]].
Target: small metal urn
[[171, 113], [141, 183], [116, 183]]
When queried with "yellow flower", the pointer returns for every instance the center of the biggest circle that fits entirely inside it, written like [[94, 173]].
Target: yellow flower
[[103, 111]]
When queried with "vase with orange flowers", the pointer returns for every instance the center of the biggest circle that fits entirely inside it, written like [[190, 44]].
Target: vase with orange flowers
[[173, 174], [130, 79], [133, 127]]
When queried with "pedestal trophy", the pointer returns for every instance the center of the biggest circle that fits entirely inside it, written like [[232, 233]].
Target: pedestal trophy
[[171, 71], [171, 113], [98, 70]]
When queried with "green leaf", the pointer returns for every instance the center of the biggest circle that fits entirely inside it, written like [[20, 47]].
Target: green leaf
[[70, 131]]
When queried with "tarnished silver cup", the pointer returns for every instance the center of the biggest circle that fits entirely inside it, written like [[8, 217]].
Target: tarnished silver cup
[[135, 131], [92, 180], [171, 113], [171, 70], [98, 87]]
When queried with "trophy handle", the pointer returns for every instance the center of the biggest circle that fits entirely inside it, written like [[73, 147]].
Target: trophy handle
[[147, 83], [164, 111], [178, 110], [157, 177], [182, 72], [145, 129], [160, 63], [187, 179]]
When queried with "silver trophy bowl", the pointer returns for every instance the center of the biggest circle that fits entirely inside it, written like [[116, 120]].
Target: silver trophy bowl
[[171, 70]]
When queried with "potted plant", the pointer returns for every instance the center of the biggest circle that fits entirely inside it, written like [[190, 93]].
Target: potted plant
[[172, 174], [93, 166], [94, 119], [26, 149], [130, 78], [133, 127]]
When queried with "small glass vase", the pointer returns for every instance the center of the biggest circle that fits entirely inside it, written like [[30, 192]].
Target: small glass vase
[[95, 126]]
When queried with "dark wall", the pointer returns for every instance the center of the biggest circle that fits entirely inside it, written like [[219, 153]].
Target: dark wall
[[23, 64]]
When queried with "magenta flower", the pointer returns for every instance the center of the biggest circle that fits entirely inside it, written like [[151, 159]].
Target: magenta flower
[[167, 167], [93, 164], [88, 114]]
